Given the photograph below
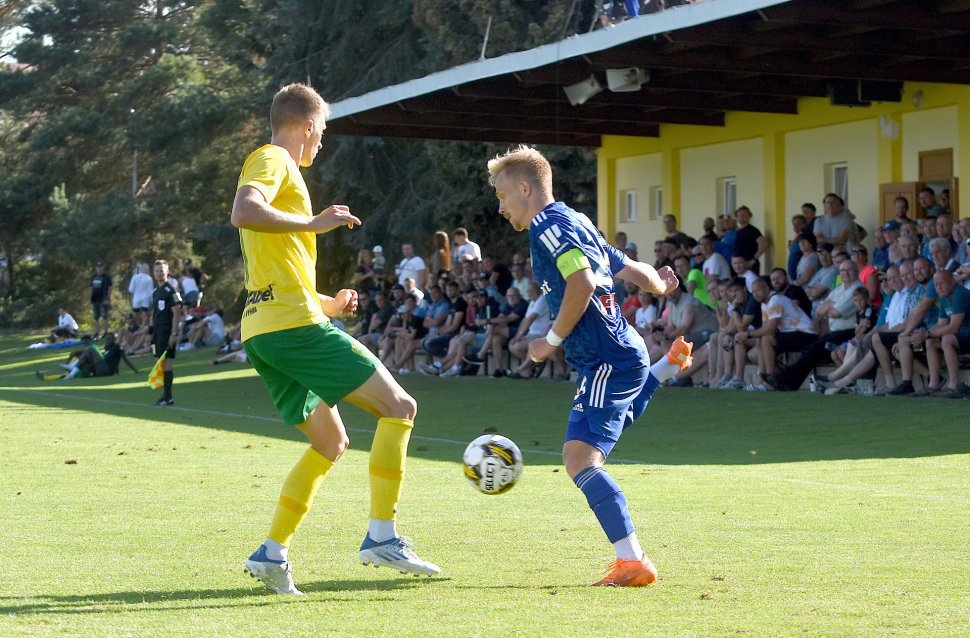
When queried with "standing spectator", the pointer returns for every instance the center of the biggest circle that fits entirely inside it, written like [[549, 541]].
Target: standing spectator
[[729, 236], [808, 211], [378, 262], [837, 226], [794, 248], [166, 314], [945, 200], [441, 259], [190, 290], [194, 272], [141, 287], [927, 199], [676, 237], [100, 298], [750, 243], [464, 246], [411, 266], [880, 254], [66, 326], [365, 277]]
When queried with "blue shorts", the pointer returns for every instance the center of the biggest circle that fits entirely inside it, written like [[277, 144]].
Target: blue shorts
[[607, 402]]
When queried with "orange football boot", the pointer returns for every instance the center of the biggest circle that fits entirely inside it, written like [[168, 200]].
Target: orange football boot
[[629, 573], [679, 353]]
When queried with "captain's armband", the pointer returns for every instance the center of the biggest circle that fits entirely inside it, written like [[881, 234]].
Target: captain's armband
[[572, 261]]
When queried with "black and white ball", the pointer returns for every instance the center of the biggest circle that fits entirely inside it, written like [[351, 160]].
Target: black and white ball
[[493, 464]]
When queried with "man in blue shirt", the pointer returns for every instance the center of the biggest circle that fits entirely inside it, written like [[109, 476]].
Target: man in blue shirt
[[574, 265], [950, 335]]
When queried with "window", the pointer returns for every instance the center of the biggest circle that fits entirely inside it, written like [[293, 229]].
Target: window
[[656, 202], [840, 181], [630, 206], [727, 195]]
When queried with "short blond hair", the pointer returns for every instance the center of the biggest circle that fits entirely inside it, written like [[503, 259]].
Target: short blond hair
[[294, 104], [523, 163]]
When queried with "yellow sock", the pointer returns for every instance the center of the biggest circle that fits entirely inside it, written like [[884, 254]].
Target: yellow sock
[[296, 497], [388, 455]]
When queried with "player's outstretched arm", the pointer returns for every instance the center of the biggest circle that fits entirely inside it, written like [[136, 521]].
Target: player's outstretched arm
[[251, 211], [649, 279], [580, 287]]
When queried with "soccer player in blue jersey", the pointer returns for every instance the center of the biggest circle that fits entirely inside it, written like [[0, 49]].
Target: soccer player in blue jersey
[[575, 266]]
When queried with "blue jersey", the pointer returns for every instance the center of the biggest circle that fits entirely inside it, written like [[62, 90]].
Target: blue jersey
[[602, 334]]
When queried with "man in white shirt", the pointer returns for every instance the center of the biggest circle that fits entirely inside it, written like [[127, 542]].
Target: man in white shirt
[[740, 265], [715, 265], [784, 326], [141, 287], [66, 326], [411, 266], [464, 246], [535, 325]]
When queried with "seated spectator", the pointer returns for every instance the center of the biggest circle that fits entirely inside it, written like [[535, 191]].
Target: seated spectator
[[746, 318], [715, 265], [500, 329], [209, 330], [411, 288], [694, 280], [366, 309], [868, 274], [740, 266], [436, 346], [534, 326], [822, 282], [472, 335], [646, 317], [785, 327], [880, 254], [908, 249], [131, 336], [90, 362], [860, 357], [810, 262], [383, 310], [780, 284], [631, 303], [520, 280], [141, 288], [691, 319], [942, 255], [922, 301], [238, 356], [722, 310], [949, 337], [400, 332], [66, 326], [834, 320], [433, 319], [498, 274]]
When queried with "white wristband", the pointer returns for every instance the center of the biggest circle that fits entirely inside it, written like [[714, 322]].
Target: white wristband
[[553, 339]]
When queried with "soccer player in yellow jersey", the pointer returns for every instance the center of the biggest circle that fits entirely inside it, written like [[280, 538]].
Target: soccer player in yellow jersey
[[308, 364]]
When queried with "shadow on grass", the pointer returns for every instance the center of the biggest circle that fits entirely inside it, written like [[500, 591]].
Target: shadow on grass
[[201, 598], [680, 427]]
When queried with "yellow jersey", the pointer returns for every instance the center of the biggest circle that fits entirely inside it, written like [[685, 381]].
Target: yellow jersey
[[281, 278]]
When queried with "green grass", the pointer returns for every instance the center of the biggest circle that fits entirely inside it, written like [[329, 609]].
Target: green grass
[[767, 514]]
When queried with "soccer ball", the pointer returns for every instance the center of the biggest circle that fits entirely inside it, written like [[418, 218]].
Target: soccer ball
[[493, 464]]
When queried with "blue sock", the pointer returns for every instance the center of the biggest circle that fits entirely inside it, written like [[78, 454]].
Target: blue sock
[[607, 501]]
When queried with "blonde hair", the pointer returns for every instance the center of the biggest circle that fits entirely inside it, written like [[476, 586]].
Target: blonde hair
[[360, 255], [294, 104], [523, 163]]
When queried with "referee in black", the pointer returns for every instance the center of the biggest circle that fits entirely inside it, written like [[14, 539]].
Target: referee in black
[[167, 312]]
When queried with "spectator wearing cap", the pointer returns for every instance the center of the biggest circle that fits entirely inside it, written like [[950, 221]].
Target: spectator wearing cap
[[462, 246], [366, 278], [631, 250], [750, 243], [378, 261], [188, 268], [190, 289], [100, 298], [141, 288]]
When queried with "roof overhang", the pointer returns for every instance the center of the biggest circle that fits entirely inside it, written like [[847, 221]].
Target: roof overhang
[[701, 60]]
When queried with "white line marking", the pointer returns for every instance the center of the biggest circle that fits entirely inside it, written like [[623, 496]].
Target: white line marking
[[765, 477]]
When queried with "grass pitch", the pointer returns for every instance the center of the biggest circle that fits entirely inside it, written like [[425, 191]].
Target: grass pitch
[[766, 514]]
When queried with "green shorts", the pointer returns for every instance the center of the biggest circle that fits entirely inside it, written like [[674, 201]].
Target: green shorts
[[304, 366]]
